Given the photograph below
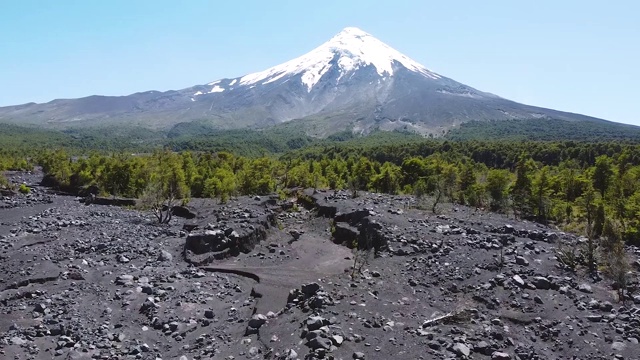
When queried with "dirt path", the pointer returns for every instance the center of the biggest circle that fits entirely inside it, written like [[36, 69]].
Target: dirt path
[[314, 257]]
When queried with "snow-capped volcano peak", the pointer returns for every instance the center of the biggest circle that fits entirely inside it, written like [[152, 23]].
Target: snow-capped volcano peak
[[357, 44], [349, 50]]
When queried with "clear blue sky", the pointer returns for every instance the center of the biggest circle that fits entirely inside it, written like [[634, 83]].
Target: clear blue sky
[[579, 56]]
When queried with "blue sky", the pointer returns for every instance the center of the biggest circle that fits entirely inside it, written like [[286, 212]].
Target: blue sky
[[578, 56]]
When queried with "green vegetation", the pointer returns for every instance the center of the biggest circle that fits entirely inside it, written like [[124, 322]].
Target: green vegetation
[[186, 136], [24, 189], [4, 183], [583, 187], [166, 176], [125, 138], [586, 187], [12, 160], [243, 142], [545, 130]]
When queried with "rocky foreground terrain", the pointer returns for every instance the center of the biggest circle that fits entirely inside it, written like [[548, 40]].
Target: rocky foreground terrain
[[263, 278]]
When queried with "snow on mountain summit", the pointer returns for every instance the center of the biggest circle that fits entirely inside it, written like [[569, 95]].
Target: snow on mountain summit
[[350, 49]]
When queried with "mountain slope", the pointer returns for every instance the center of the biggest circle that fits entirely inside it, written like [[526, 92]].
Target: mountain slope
[[353, 81]]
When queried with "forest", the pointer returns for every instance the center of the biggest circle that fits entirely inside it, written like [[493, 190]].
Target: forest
[[589, 188]]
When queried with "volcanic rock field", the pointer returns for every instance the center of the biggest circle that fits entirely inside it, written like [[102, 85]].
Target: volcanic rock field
[[272, 278]]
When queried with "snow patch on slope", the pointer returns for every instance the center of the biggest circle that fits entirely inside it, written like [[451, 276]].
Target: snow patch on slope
[[353, 48], [216, 89]]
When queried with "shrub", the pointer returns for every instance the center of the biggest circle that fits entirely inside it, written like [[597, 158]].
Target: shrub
[[4, 183], [618, 269], [24, 189], [567, 257], [362, 253]]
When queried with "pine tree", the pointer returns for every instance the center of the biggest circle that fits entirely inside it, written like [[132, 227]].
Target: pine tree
[[602, 174], [466, 183], [497, 184], [521, 190]]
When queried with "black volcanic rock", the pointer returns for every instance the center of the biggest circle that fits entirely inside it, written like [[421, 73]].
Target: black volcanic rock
[[430, 293]]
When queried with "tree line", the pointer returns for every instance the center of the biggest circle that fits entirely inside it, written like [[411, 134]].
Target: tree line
[[587, 188]]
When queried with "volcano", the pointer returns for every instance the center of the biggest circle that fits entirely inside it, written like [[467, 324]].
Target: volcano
[[352, 82]]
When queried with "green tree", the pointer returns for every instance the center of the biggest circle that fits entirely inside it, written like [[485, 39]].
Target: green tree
[[521, 192], [450, 180], [466, 183], [116, 176], [571, 180], [167, 186], [189, 168], [362, 173], [256, 177], [388, 180], [413, 169], [589, 205], [58, 164], [541, 192], [602, 174], [497, 185], [221, 185]]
